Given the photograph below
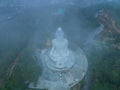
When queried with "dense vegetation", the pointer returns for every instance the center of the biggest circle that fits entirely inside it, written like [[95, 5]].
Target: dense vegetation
[[25, 71], [105, 74], [105, 63]]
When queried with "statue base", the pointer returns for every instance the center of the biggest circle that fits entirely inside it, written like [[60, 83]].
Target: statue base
[[53, 78]]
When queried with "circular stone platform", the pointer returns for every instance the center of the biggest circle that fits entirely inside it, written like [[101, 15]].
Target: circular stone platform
[[71, 76], [63, 66]]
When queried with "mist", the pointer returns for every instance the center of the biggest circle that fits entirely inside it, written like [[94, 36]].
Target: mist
[[26, 25]]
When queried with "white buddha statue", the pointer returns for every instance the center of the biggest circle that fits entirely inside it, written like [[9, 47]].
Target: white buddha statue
[[59, 51]]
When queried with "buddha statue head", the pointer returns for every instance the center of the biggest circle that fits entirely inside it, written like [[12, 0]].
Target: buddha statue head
[[59, 35]]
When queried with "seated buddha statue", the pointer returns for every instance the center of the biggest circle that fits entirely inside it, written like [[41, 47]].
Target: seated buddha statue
[[59, 51]]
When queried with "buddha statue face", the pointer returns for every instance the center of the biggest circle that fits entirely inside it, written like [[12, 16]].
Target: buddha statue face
[[59, 35]]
